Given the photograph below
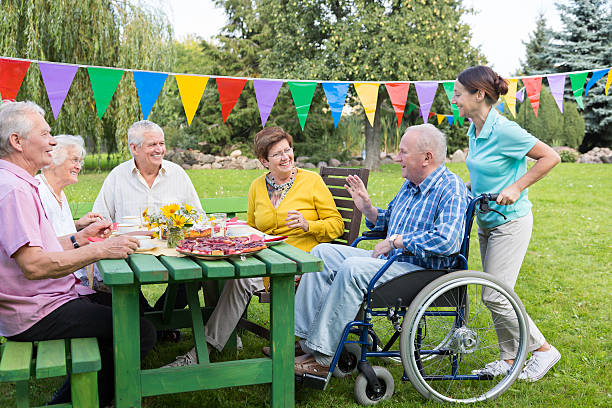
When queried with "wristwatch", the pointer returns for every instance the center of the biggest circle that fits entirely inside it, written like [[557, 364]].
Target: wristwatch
[[75, 244], [391, 240]]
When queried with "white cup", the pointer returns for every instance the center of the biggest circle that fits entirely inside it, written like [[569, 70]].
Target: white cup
[[124, 228], [144, 241]]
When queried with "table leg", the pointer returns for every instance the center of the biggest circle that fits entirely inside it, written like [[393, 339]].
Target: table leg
[[126, 341], [199, 334], [282, 337]]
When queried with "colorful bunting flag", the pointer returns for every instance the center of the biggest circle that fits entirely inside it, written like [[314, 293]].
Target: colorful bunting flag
[[461, 119], [302, 93], [533, 86], [426, 92], [520, 95], [609, 80], [398, 93], [411, 107], [57, 79], [191, 88], [368, 94], [597, 75], [577, 81], [266, 92], [440, 118], [229, 91], [335, 92], [12, 73], [510, 97], [148, 87], [104, 82], [557, 88], [450, 119], [500, 107], [449, 88]]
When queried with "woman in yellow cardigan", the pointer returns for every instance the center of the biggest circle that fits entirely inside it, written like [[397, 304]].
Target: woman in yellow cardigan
[[286, 201], [290, 201]]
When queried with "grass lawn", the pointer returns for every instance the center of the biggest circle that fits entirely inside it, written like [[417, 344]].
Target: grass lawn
[[565, 285]]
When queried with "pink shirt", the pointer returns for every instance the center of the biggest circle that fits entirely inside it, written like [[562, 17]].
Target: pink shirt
[[23, 221]]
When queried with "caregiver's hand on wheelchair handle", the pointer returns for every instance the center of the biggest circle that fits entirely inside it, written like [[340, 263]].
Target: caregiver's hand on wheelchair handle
[[509, 195], [361, 198]]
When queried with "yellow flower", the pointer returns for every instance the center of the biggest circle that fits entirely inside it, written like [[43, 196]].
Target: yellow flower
[[145, 213], [188, 208], [169, 210], [178, 220]]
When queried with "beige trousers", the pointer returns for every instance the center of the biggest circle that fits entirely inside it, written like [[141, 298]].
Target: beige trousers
[[502, 250]]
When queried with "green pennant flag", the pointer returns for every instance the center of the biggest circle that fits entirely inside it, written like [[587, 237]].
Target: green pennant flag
[[411, 107], [302, 93], [104, 82], [449, 87], [578, 81], [460, 119]]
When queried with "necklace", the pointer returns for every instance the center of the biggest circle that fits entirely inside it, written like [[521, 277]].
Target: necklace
[[57, 198], [283, 186]]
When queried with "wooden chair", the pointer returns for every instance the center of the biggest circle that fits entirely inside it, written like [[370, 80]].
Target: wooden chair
[[334, 178]]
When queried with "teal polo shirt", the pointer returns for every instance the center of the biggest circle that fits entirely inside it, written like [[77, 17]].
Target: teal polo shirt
[[497, 158]]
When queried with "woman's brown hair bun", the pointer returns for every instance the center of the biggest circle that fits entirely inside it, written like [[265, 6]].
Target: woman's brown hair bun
[[484, 78]]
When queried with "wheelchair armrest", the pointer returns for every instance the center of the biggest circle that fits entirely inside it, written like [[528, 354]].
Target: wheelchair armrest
[[374, 234]]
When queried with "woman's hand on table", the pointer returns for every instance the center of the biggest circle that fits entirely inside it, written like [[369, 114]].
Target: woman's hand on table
[[117, 247], [87, 219], [295, 219]]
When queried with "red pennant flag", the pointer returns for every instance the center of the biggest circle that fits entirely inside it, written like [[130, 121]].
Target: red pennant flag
[[398, 93], [12, 73], [533, 86], [229, 91]]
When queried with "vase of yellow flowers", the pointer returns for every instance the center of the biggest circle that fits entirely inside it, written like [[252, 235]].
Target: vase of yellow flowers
[[173, 221]]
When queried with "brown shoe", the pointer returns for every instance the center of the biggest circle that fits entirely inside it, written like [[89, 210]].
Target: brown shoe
[[310, 366], [298, 350]]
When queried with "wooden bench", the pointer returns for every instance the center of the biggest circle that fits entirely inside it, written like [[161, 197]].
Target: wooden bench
[[229, 205], [22, 361]]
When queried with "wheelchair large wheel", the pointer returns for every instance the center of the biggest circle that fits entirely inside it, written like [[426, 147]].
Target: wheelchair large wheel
[[449, 320]]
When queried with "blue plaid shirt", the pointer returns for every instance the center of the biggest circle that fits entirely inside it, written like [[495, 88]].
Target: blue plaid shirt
[[430, 218]]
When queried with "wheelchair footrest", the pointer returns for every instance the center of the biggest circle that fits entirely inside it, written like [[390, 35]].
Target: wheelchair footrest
[[312, 381]]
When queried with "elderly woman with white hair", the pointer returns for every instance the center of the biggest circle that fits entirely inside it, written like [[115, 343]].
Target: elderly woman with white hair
[[66, 163]]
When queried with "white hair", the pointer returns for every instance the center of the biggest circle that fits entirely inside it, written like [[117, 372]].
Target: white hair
[[430, 138], [14, 119], [136, 132], [65, 143]]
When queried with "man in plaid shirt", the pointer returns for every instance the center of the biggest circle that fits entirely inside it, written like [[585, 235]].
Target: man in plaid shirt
[[424, 221]]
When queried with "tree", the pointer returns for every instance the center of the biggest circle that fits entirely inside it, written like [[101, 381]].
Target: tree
[[584, 44], [112, 33], [536, 49]]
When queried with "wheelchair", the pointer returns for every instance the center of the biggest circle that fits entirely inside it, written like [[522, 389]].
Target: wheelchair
[[444, 330]]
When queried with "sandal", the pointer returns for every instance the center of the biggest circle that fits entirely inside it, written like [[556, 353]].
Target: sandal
[[308, 365], [298, 350]]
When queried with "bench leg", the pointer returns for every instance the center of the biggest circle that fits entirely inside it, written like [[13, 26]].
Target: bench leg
[[84, 389], [23, 394]]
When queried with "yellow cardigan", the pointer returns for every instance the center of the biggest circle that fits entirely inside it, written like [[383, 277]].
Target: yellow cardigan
[[310, 196]]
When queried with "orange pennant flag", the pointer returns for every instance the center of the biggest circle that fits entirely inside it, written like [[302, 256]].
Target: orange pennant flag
[[229, 91], [533, 86], [510, 97], [368, 94], [398, 93], [191, 88]]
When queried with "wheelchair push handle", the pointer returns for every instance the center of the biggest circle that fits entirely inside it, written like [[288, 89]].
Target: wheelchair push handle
[[484, 204]]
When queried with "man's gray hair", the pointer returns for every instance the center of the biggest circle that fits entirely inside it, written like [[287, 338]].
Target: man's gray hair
[[136, 131], [64, 144], [14, 119], [430, 138]]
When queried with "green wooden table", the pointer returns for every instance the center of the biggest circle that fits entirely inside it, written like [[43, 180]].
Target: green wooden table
[[279, 262]]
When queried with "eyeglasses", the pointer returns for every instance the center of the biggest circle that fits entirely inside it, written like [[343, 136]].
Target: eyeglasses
[[77, 160], [278, 155]]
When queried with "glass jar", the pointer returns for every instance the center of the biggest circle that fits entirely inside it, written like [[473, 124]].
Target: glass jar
[[175, 234]]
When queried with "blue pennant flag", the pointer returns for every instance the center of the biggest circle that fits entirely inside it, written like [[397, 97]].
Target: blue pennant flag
[[597, 75], [450, 119], [500, 107], [336, 95], [148, 86]]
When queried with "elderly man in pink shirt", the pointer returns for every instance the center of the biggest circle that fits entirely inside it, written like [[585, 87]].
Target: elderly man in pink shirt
[[39, 295]]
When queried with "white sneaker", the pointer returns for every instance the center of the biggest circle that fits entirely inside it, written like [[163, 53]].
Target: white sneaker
[[499, 367], [184, 360], [238, 343], [539, 364]]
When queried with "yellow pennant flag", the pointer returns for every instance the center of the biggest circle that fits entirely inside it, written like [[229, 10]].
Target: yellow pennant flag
[[609, 81], [368, 94], [510, 97], [440, 118], [191, 88]]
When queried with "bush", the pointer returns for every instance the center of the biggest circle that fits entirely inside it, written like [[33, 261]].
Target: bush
[[567, 156]]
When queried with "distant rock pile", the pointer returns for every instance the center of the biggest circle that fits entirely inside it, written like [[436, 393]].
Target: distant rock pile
[[596, 155]]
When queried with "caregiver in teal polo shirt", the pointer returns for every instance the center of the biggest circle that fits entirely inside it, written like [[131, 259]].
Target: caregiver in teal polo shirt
[[497, 162]]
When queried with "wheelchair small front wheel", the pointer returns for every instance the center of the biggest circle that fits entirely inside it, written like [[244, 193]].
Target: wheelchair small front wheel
[[365, 395], [449, 334], [347, 364]]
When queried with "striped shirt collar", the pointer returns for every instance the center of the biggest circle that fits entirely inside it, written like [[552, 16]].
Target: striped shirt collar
[[428, 183]]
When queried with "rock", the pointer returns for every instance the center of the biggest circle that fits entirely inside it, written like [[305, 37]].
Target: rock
[[382, 155], [321, 164], [387, 160], [251, 164], [334, 163], [234, 165], [197, 167], [458, 157], [302, 159], [596, 155], [354, 163], [242, 159], [216, 165], [186, 166], [309, 166], [207, 166], [235, 153], [207, 158]]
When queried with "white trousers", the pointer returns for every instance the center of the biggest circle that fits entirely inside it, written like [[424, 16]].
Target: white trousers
[[502, 250]]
